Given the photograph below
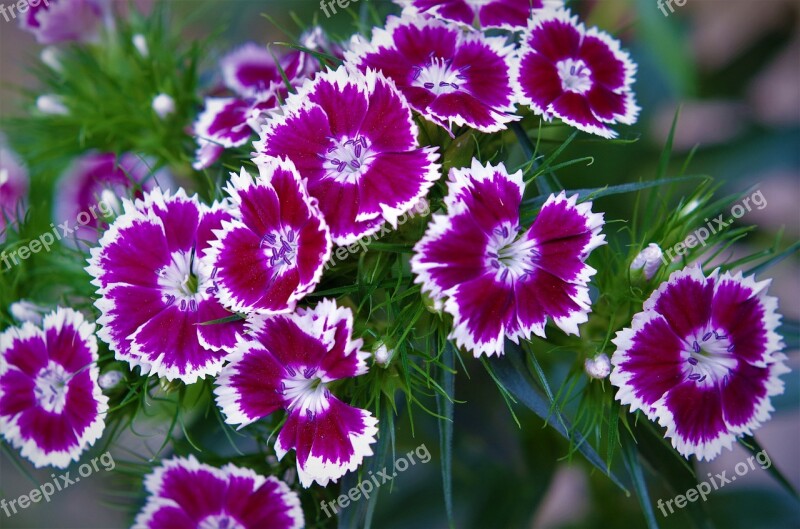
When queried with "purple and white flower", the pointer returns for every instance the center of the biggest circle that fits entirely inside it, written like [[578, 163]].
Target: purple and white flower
[[505, 14], [449, 76], [497, 279], [273, 251], [288, 364], [579, 75], [703, 359], [51, 406], [352, 136], [187, 494], [155, 296], [57, 21], [89, 192]]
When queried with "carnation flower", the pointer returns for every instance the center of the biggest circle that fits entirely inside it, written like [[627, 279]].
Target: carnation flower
[[51, 407], [55, 21], [273, 252], [288, 364], [581, 76], [155, 296], [352, 136], [13, 187], [506, 14], [496, 278], [703, 359], [185, 493], [90, 190], [449, 76]]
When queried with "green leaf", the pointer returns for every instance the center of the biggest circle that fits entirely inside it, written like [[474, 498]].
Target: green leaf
[[631, 458], [510, 370], [752, 446], [445, 407], [775, 260]]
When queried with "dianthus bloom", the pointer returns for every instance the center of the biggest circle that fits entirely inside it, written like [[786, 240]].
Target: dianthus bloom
[[187, 494], [703, 359], [13, 187], [89, 191], [51, 406], [257, 76], [288, 363], [154, 295], [506, 14], [273, 252], [581, 76], [55, 21], [449, 76], [497, 279], [353, 138]]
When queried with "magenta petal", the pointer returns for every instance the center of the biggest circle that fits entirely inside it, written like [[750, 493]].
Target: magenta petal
[[685, 303]]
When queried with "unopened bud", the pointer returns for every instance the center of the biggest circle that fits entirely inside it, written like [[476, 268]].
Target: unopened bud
[[598, 367], [648, 260]]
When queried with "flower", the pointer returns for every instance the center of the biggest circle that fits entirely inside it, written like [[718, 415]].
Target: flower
[[51, 407], [289, 363], [55, 21], [598, 367], [449, 76], [272, 252], [702, 359], [648, 260], [222, 125], [581, 76], [88, 193], [352, 136], [186, 493], [13, 187], [506, 14], [163, 105], [496, 278], [155, 297]]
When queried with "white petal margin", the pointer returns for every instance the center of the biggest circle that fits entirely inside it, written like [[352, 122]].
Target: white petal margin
[[323, 472], [56, 320], [226, 391]]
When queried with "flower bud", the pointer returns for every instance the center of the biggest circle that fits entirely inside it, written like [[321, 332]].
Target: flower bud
[[598, 367], [648, 260], [24, 310], [51, 104], [140, 43], [163, 105]]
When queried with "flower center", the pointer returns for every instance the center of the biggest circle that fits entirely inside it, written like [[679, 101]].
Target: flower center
[[303, 388], [709, 357], [281, 248], [50, 387], [438, 76], [181, 281], [347, 158], [220, 521], [575, 75], [509, 255]]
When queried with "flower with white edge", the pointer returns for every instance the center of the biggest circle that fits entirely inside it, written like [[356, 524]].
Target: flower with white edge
[[581, 76], [505, 14], [648, 260], [273, 251], [451, 77], [184, 493], [163, 105], [598, 367], [497, 279], [159, 311], [353, 138], [51, 406], [702, 359], [288, 363]]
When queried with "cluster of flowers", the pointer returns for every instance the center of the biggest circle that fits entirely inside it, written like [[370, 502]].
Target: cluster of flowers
[[338, 156]]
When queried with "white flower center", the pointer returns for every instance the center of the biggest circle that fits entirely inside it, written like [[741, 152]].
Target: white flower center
[[219, 521], [439, 76], [50, 387], [575, 76], [347, 159], [181, 281], [508, 255], [281, 248], [709, 358], [303, 388]]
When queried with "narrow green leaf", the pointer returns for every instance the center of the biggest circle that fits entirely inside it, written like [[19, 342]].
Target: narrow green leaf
[[752, 446], [445, 406], [631, 458]]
